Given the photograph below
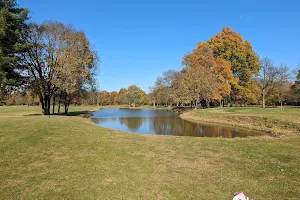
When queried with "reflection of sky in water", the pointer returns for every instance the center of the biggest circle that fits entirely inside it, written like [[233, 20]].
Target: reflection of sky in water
[[201, 130], [116, 113], [161, 122]]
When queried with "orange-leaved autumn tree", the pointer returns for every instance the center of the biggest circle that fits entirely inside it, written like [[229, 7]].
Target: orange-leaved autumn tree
[[113, 97], [203, 58], [244, 61], [222, 69], [104, 98]]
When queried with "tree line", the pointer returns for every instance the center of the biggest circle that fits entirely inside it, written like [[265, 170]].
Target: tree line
[[132, 96], [51, 61], [225, 70]]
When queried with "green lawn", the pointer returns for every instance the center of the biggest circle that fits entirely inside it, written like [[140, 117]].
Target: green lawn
[[273, 121], [67, 157]]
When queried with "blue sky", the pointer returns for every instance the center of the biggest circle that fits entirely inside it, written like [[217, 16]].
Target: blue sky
[[138, 40]]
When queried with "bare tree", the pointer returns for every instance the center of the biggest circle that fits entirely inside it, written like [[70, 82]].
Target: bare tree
[[268, 75], [272, 78]]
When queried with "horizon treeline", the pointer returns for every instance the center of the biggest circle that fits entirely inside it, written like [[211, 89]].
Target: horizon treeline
[[225, 70], [131, 96], [53, 65]]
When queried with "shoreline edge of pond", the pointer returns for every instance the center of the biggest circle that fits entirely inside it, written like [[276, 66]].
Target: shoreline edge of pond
[[251, 121], [266, 124]]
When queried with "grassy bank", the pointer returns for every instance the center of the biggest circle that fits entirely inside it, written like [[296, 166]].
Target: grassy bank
[[273, 121], [14, 111], [66, 157]]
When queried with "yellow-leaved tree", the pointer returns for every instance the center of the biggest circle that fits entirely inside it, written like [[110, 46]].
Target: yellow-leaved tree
[[202, 58], [59, 61], [230, 46]]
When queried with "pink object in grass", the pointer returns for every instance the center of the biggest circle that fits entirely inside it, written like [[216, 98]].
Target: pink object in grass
[[240, 196]]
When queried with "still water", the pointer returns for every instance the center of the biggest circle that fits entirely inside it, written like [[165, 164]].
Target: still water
[[161, 122]]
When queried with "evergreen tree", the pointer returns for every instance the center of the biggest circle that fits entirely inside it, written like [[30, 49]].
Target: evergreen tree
[[12, 21]]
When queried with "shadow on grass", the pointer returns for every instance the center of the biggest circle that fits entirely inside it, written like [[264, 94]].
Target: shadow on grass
[[36, 114], [84, 114]]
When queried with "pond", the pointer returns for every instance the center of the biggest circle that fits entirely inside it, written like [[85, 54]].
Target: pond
[[162, 122]]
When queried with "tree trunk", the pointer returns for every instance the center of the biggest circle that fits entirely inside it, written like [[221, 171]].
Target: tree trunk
[[42, 103], [58, 109], [66, 109], [49, 105], [98, 98], [67, 105], [45, 101], [53, 106], [264, 101], [59, 101], [45, 107]]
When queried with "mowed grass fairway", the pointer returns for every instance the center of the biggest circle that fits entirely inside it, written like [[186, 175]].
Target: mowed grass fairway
[[68, 157]]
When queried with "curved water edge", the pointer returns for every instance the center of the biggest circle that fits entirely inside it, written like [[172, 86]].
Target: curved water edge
[[163, 122], [185, 116]]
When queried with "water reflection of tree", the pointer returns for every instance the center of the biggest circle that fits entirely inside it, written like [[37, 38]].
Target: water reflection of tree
[[177, 126], [100, 121], [173, 125], [132, 123]]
